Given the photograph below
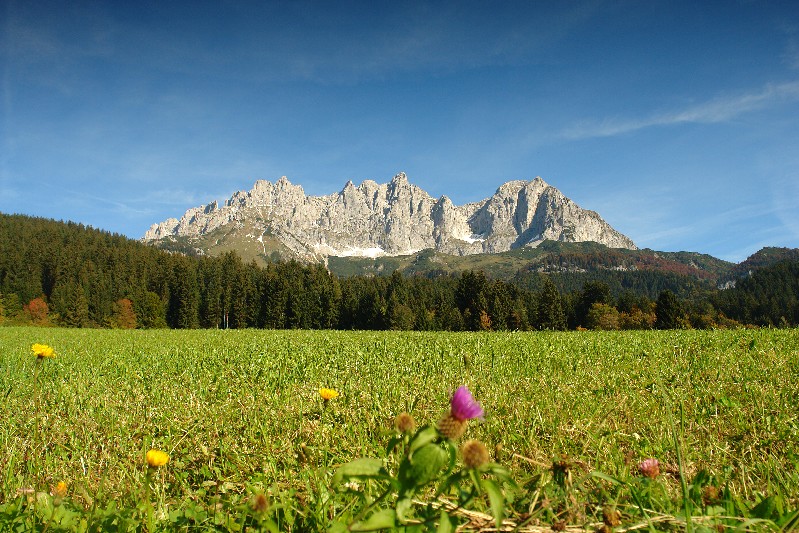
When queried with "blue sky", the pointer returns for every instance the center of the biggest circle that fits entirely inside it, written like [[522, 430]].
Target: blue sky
[[677, 121]]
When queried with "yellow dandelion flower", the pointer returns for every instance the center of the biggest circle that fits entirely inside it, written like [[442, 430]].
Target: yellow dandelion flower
[[60, 489], [42, 351], [328, 394], [156, 458]]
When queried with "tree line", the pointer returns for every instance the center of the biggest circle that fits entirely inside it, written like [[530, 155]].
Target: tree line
[[71, 275]]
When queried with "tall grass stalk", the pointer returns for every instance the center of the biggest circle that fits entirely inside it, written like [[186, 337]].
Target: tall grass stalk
[[678, 450]]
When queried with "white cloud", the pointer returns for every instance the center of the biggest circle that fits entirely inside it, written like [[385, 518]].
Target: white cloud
[[96, 201], [791, 54], [719, 109]]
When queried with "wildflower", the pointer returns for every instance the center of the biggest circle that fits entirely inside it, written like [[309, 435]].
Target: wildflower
[[649, 468], [404, 423], [60, 490], [156, 458], [42, 351], [463, 407], [474, 453], [328, 394]]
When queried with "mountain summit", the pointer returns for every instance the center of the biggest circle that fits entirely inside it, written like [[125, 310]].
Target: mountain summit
[[394, 218]]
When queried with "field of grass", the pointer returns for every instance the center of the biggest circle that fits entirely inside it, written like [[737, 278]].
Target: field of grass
[[253, 446]]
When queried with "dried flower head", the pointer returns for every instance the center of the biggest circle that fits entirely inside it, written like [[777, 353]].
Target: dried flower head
[[561, 471], [259, 503], [649, 468], [303, 454], [328, 394], [404, 423], [498, 451], [157, 458], [43, 351], [710, 495], [611, 516], [561, 467], [463, 406], [474, 453]]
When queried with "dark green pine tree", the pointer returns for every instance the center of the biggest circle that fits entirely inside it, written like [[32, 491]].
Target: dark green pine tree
[[550, 314], [210, 279], [594, 292], [150, 311], [669, 311], [183, 294], [70, 304], [470, 295]]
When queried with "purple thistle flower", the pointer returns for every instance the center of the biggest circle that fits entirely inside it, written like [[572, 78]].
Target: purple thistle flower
[[463, 405]]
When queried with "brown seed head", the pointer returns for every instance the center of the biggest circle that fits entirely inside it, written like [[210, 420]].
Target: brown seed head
[[451, 427], [259, 503], [611, 517], [303, 454], [404, 423], [497, 451], [474, 453], [710, 495]]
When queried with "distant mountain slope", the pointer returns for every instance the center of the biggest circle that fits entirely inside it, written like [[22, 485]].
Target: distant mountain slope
[[764, 257], [375, 220], [569, 263]]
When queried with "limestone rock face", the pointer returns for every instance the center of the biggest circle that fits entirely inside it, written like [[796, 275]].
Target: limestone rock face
[[395, 218]]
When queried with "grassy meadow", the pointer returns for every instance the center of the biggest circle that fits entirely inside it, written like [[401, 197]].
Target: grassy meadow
[[253, 446]]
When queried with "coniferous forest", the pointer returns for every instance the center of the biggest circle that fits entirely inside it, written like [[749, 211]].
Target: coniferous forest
[[67, 274]]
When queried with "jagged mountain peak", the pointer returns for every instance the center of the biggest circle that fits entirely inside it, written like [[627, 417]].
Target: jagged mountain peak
[[394, 218], [517, 185]]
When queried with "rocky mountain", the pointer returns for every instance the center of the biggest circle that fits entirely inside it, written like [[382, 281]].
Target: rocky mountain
[[390, 219]]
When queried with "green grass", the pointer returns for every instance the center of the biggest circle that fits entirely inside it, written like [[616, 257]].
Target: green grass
[[240, 415]]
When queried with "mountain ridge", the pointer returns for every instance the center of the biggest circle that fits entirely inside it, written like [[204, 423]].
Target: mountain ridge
[[389, 219]]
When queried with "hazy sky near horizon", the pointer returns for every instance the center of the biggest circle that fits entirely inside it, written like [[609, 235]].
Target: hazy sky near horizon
[[677, 121]]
